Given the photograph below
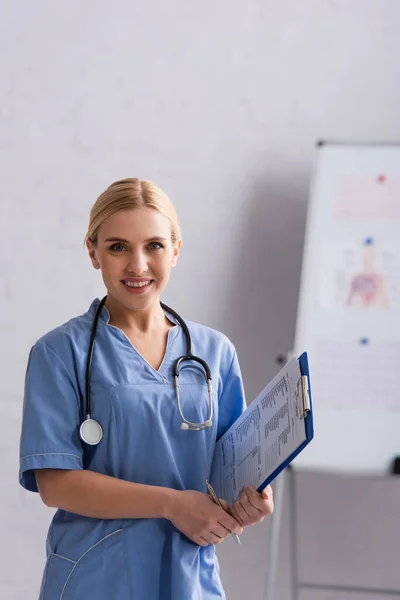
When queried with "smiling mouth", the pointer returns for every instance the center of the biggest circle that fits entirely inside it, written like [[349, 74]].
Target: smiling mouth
[[138, 284], [137, 287]]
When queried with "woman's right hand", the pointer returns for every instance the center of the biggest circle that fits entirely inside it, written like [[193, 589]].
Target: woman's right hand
[[197, 516]]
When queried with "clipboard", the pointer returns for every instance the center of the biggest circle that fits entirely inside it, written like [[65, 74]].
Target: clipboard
[[268, 436], [304, 411]]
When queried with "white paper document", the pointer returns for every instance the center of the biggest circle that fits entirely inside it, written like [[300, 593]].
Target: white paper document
[[263, 437]]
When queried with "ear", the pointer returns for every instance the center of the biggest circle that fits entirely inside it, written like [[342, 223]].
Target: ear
[[175, 255], [92, 254]]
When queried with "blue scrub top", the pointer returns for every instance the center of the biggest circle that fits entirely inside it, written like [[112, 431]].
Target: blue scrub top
[[126, 559]]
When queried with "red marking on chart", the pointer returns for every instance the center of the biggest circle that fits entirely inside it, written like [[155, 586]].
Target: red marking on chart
[[372, 197]]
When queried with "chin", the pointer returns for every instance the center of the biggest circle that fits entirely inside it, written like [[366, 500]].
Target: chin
[[139, 302]]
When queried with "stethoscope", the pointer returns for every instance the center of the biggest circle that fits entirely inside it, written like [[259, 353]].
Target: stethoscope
[[91, 431]]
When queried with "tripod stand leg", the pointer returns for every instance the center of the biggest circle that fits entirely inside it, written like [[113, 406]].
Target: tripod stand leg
[[293, 532], [273, 545]]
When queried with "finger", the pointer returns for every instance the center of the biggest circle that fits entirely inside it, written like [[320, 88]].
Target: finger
[[267, 492], [254, 515], [251, 514], [239, 514], [255, 508], [225, 504], [230, 523], [220, 538], [213, 539], [221, 531], [245, 504], [201, 541], [264, 505], [227, 520], [257, 501], [260, 512]]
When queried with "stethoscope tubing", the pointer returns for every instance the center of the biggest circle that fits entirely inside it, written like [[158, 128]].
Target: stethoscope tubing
[[92, 425]]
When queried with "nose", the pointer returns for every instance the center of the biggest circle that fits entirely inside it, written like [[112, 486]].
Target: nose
[[137, 263]]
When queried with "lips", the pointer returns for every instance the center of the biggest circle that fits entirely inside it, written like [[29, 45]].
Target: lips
[[137, 281], [142, 285]]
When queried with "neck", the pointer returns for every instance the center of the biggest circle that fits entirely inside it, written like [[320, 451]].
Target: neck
[[143, 321]]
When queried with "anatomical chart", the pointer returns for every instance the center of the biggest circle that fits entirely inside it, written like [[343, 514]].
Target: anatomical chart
[[361, 274]]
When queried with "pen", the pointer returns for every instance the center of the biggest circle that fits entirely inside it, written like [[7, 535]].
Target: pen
[[217, 501]]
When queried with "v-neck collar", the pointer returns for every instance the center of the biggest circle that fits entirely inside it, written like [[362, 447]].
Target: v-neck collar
[[105, 317]]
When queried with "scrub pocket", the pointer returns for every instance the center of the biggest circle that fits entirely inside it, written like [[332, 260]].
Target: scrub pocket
[[99, 573], [55, 574]]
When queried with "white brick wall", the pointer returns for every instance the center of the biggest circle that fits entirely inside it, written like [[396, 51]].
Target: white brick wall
[[220, 103]]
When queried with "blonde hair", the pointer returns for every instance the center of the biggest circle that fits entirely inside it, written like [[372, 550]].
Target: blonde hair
[[129, 194]]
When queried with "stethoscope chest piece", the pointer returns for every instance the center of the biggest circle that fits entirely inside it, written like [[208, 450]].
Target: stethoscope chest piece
[[91, 432]]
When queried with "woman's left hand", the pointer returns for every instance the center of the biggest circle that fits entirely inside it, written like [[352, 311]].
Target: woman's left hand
[[252, 507]]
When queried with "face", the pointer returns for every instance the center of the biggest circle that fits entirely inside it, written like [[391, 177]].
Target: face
[[135, 254]]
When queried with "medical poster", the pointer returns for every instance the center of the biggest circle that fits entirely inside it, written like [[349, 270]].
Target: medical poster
[[360, 275]]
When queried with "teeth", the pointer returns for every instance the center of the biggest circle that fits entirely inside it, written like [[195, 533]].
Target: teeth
[[137, 285]]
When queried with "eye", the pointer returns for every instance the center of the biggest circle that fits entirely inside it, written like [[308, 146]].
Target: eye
[[155, 246], [117, 247]]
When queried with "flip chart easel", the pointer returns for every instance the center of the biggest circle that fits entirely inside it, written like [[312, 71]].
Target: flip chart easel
[[348, 321]]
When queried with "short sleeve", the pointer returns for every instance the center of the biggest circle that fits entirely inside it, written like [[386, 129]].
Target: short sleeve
[[232, 401], [51, 417]]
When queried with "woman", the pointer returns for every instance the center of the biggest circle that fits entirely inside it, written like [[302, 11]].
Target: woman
[[134, 521]]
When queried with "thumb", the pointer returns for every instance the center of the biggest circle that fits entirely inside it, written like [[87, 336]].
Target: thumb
[[266, 493]]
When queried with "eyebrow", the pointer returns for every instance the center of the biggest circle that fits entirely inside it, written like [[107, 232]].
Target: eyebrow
[[153, 239]]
